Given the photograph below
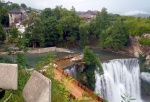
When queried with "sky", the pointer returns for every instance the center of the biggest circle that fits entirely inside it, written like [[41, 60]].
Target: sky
[[126, 7]]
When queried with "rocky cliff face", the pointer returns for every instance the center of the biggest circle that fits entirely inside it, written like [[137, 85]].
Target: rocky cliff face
[[135, 48]]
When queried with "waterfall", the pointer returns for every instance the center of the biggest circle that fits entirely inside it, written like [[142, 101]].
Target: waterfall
[[121, 76], [71, 70]]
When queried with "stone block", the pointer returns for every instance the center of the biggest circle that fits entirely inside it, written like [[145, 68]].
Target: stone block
[[37, 89], [8, 76]]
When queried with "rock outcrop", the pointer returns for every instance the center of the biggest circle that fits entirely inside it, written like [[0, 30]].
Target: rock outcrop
[[135, 48]]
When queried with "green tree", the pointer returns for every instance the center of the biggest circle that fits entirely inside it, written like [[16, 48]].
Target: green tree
[[137, 26], [83, 30], [2, 34], [46, 13], [143, 66], [23, 6], [34, 31], [70, 26], [91, 59], [57, 11], [14, 5], [4, 19], [60, 25], [52, 31], [114, 36], [92, 64], [13, 39], [17, 43], [22, 61], [101, 22]]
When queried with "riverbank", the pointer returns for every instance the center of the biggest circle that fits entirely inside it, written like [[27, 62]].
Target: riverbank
[[123, 52], [42, 50]]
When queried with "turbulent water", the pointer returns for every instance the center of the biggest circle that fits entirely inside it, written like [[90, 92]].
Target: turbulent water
[[145, 76], [71, 70], [121, 76]]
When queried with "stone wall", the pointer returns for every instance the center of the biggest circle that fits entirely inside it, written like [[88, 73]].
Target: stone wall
[[14, 18]]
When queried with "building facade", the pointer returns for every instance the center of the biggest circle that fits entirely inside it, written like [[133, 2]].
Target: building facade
[[15, 16]]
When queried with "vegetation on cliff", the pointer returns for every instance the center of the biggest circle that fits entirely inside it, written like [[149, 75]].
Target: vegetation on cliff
[[144, 41], [87, 77], [91, 59], [137, 26], [143, 66], [145, 86]]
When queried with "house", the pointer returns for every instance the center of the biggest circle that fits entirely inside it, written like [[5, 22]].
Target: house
[[9, 3], [15, 16], [88, 15]]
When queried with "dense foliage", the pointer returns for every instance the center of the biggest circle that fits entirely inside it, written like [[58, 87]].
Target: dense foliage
[[84, 33], [145, 86], [2, 34], [114, 36], [59, 26], [52, 26], [34, 30], [92, 64], [143, 66], [137, 26]]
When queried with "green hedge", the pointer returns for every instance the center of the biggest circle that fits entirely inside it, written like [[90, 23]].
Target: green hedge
[[144, 41]]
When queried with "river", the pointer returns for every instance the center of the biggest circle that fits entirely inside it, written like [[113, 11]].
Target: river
[[103, 55]]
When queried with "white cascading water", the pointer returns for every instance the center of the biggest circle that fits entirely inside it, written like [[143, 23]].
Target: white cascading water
[[71, 70], [145, 76], [121, 76]]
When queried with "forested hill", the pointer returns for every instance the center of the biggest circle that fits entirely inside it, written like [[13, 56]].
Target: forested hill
[[141, 15], [62, 27]]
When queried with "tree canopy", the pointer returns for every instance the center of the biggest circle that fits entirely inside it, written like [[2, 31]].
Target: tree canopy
[[60, 26], [34, 30], [92, 64], [23, 6]]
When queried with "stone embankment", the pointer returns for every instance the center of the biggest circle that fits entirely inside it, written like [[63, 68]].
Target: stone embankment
[[51, 49], [42, 50]]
